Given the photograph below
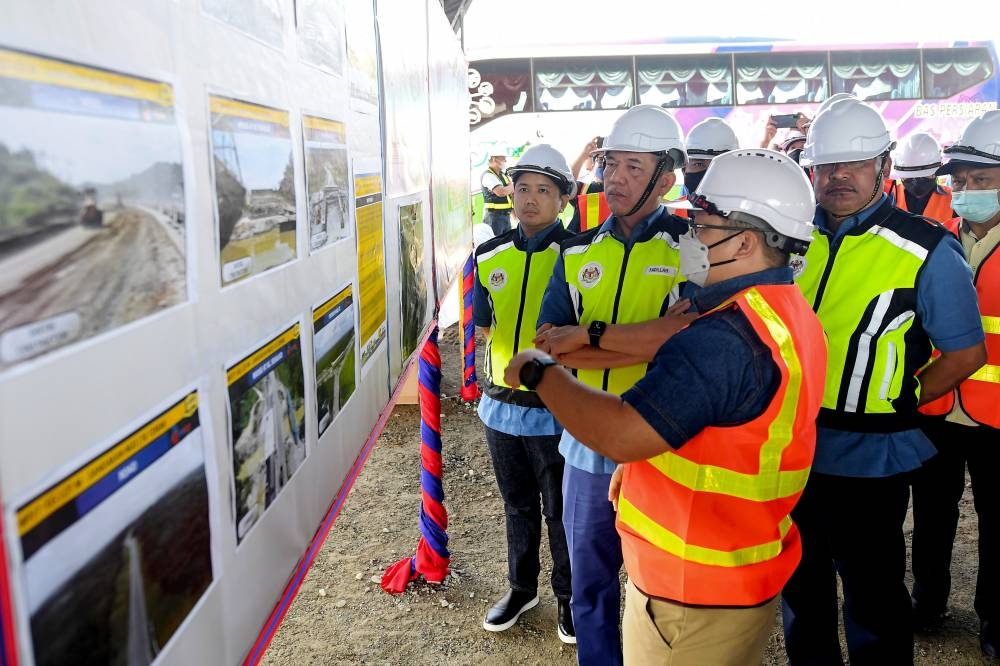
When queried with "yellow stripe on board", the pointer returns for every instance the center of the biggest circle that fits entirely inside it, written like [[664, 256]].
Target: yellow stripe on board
[[233, 107], [669, 542], [250, 362], [323, 309], [366, 184], [323, 125], [15, 65], [29, 516]]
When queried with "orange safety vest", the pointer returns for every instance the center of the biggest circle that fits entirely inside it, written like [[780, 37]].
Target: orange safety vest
[[938, 206], [979, 394], [593, 210], [709, 523]]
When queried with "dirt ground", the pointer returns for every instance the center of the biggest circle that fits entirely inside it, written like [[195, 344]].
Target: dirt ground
[[341, 616]]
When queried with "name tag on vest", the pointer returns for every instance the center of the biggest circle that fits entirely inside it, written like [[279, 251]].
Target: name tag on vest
[[661, 270]]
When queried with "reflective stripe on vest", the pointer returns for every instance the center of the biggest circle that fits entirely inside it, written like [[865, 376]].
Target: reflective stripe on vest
[[938, 205], [865, 295], [709, 523], [980, 392], [593, 210], [492, 201], [599, 270], [516, 281]]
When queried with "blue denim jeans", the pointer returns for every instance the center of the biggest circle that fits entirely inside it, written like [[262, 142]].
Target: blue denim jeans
[[529, 473], [498, 221]]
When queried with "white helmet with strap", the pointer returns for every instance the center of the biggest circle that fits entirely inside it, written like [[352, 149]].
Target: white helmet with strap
[[846, 131], [979, 145], [916, 156], [764, 184], [548, 161], [710, 138], [646, 129], [835, 97]]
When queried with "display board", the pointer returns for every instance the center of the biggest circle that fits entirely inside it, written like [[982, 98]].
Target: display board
[[201, 310]]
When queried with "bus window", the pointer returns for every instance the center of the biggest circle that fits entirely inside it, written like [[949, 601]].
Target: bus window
[[583, 84], [948, 72], [499, 87], [704, 80], [780, 78], [877, 75]]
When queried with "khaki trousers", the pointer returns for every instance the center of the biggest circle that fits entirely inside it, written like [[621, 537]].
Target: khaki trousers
[[659, 632]]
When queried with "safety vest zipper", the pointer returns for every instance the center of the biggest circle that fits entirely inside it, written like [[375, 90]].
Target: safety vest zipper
[[520, 309], [614, 309]]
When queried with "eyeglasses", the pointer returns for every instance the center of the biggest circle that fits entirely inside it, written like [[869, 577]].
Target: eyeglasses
[[847, 167], [696, 227]]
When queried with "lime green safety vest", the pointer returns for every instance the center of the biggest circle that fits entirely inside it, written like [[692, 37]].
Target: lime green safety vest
[[516, 281], [611, 283], [864, 292]]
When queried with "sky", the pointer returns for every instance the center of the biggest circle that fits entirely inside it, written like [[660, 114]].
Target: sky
[[592, 22]]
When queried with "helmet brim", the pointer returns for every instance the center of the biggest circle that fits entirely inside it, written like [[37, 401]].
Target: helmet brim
[[974, 161]]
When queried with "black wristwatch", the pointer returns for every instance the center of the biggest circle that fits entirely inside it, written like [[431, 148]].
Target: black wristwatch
[[595, 331], [532, 371]]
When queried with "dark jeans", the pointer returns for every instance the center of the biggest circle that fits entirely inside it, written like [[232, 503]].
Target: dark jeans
[[498, 221], [596, 556], [937, 490], [529, 468], [852, 527]]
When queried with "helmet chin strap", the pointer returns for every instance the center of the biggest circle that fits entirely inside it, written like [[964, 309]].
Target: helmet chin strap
[[660, 164], [875, 190]]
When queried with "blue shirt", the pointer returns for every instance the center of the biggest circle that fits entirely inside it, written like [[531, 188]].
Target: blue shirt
[[558, 310], [949, 313], [502, 416], [715, 372]]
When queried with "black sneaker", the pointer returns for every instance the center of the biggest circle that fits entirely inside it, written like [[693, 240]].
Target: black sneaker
[[564, 624], [505, 612], [989, 639]]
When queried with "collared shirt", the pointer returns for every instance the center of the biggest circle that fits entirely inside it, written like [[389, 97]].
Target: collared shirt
[[948, 312], [557, 309], [502, 416], [716, 371]]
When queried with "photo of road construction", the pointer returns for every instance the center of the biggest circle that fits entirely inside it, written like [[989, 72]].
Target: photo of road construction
[[92, 223], [267, 411], [321, 33], [327, 181], [334, 341], [411, 275], [109, 578], [254, 186]]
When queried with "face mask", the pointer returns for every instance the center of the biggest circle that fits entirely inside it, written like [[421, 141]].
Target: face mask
[[794, 154], [694, 257], [599, 173], [693, 180], [919, 187], [976, 205]]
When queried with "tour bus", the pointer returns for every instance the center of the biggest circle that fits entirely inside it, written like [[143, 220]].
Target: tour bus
[[567, 100]]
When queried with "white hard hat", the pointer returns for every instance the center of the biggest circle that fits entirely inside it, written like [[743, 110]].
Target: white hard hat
[[548, 161], [846, 131], [498, 150], [790, 138], [836, 97], [646, 129], [711, 137], [764, 183], [916, 156], [979, 145]]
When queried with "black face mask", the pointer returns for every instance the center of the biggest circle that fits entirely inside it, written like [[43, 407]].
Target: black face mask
[[794, 154], [693, 180], [919, 187]]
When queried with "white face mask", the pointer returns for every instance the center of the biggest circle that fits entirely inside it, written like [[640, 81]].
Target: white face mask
[[976, 205], [694, 257]]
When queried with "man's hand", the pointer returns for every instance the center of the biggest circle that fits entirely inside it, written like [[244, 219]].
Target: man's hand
[[562, 339], [615, 487], [512, 375], [769, 131], [802, 121]]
